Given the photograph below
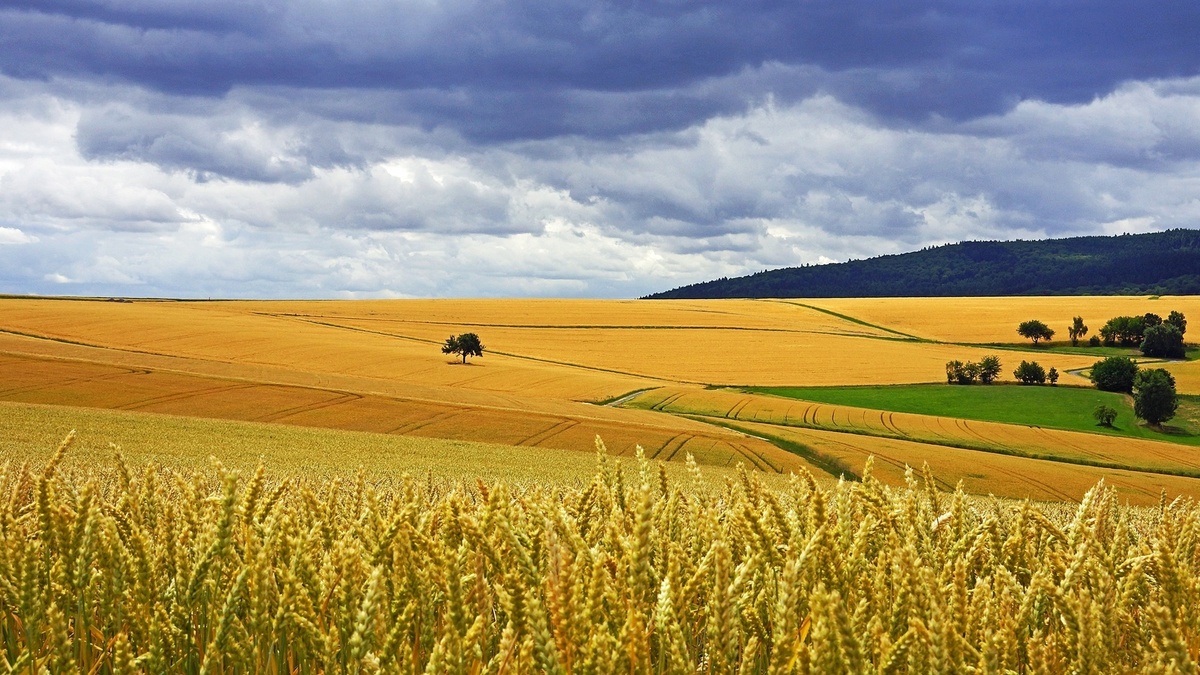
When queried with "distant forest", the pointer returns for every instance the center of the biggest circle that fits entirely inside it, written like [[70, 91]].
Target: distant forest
[[1161, 263]]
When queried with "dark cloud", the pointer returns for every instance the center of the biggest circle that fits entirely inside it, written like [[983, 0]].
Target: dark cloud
[[499, 70]]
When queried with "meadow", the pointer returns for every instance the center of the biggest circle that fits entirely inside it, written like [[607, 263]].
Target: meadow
[[1056, 407]]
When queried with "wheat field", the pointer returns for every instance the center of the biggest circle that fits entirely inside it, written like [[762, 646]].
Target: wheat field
[[553, 370], [124, 569]]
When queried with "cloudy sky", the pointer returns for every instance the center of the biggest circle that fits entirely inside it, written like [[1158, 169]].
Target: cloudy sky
[[394, 148]]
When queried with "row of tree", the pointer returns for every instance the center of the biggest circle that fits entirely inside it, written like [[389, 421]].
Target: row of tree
[[1154, 335], [987, 369]]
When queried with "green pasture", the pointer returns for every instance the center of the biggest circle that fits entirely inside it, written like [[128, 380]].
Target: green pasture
[[1053, 407]]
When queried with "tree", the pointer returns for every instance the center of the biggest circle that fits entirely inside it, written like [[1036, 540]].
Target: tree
[[1126, 331], [1030, 372], [1154, 397], [1077, 330], [989, 369], [1177, 319], [1052, 376], [1035, 330], [1105, 415], [467, 344], [1163, 341], [1115, 373], [1151, 319]]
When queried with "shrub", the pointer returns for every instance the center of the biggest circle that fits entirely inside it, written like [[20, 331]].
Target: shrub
[[1030, 372], [1094, 341], [1115, 373], [1105, 415], [1163, 341], [1052, 376]]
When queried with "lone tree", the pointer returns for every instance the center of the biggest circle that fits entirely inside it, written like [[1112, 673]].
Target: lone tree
[[1163, 341], [1077, 330], [467, 344], [1035, 330], [1115, 373], [1154, 397]]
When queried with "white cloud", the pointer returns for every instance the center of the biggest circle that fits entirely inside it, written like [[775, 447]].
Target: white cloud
[[11, 235], [407, 212]]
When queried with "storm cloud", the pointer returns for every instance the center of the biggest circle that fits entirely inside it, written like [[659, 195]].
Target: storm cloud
[[468, 147]]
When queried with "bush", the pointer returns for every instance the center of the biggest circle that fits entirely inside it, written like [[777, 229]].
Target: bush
[[1154, 397], [1052, 376], [1115, 373], [989, 369], [1163, 341], [1030, 372], [1105, 415], [1094, 341], [958, 372]]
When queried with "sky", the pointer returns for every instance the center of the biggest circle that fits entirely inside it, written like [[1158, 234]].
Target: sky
[[570, 148]]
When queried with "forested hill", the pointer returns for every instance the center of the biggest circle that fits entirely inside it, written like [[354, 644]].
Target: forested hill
[[1161, 263]]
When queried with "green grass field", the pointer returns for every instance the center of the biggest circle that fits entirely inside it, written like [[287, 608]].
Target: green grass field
[[1056, 407]]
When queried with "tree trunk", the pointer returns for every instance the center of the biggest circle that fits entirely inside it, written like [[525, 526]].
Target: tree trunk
[[464, 358]]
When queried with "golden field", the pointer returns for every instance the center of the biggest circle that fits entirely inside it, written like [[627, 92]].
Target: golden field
[[121, 569], [552, 369], [1012, 439], [986, 320]]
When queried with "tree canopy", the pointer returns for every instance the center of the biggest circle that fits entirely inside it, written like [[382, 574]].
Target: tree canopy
[[1035, 330], [1154, 397], [1163, 341], [467, 344], [1115, 373]]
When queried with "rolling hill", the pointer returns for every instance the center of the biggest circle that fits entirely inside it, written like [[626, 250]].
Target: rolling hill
[[1160, 263]]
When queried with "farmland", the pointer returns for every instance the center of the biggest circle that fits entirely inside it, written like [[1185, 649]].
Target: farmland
[[558, 373], [310, 487]]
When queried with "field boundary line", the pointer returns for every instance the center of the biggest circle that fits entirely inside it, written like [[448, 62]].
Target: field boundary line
[[851, 319]]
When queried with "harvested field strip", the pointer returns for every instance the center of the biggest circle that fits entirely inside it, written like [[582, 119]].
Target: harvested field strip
[[179, 396], [1021, 441], [333, 401], [176, 393], [1001, 475], [541, 437]]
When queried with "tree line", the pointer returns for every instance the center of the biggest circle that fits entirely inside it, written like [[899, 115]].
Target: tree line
[[1155, 336]]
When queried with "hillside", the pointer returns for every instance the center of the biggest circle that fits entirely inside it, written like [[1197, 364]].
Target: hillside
[[1161, 263]]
